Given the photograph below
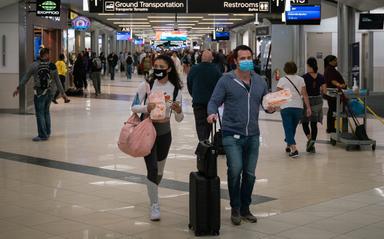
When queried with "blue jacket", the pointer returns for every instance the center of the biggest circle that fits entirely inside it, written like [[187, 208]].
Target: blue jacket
[[241, 108]]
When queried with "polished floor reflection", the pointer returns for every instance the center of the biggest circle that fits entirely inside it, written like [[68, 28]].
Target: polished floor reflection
[[331, 194]]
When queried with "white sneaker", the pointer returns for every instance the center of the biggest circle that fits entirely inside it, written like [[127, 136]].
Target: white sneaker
[[155, 212]]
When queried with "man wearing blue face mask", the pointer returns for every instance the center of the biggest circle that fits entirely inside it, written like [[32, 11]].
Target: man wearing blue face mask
[[241, 91]]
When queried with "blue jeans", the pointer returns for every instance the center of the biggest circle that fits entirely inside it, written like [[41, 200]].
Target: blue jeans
[[129, 72], [43, 117], [242, 155], [291, 118]]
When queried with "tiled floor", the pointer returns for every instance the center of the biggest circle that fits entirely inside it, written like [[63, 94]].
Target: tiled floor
[[332, 194]]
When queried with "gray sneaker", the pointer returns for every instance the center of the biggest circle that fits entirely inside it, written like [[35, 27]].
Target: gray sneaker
[[235, 217], [248, 216]]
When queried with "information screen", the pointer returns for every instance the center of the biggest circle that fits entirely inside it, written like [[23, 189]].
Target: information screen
[[371, 21], [139, 41], [222, 36], [123, 36], [304, 15]]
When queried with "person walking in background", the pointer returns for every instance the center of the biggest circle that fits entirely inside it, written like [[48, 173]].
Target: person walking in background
[[129, 61], [316, 88], [222, 61], [147, 65], [187, 62], [46, 79], [334, 80], [166, 79], [86, 64], [96, 67], [103, 62], [112, 63], [62, 71], [79, 73], [177, 62], [241, 91], [292, 112], [201, 82]]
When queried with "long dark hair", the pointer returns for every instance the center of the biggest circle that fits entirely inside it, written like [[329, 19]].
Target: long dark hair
[[328, 59], [312, 62], [173, 76]]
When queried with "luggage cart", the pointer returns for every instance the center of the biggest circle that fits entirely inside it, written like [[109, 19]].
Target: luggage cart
[[342, 134]]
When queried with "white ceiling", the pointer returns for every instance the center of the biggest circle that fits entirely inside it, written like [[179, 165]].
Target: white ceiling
[[364, 5]]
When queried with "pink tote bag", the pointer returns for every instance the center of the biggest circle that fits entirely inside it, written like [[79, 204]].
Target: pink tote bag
[[137, 137]]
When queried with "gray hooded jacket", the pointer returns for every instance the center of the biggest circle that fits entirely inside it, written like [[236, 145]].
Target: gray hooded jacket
[[241, 107]]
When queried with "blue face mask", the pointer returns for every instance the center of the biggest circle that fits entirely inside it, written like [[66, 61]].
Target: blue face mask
[[246, 65]]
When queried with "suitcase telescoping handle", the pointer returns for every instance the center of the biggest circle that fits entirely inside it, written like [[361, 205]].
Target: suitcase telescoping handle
[[214, 127]]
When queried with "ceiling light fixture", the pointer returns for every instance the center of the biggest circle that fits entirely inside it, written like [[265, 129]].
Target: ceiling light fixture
[[167, 21], [222, 19], [132, 23], [225, 14], [243, 15], [215, 23], [127, 19]]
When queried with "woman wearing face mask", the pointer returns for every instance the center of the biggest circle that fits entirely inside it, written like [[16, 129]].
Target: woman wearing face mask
[[166, 79]]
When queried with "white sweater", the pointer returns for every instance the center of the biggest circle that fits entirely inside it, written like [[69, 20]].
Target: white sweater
[[167, 88]]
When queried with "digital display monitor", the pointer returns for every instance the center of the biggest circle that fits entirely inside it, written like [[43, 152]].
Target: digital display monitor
[[123, 36], [139, 41], [304, 15], [222, 36], [171, 36], [371, 21]]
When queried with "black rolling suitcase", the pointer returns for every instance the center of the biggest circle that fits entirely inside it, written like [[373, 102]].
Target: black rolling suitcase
[[204, 204]]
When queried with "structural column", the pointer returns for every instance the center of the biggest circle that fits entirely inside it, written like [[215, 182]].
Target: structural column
[[95, 41], [346, 36], [299, 49]]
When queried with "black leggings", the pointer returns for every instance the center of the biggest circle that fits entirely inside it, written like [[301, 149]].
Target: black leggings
[[330, 118], [312, 131], [159, 153]]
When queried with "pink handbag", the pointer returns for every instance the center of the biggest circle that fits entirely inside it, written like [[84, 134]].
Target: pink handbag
[[137, 137]]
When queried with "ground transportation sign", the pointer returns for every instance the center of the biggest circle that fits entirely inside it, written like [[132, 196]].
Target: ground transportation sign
[[48, 8], [139, 6]]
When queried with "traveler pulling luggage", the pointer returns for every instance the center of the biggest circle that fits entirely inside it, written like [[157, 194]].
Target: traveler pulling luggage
[[204, 192]]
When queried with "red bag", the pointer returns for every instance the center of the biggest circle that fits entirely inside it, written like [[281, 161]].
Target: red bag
[[137, 137]]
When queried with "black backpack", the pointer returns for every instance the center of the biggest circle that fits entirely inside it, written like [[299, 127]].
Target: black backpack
[[44, 76], [129, 60]]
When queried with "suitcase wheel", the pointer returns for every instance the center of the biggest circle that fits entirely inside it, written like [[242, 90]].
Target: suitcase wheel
[[216, 233], [189, 226]]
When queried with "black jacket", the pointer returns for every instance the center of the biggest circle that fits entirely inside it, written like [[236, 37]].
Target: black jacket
[[201, 82]]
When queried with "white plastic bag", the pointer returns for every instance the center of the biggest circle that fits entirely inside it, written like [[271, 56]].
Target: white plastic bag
[[277, 99]]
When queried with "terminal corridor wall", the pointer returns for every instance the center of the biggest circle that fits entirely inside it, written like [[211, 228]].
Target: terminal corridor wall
[[9, 74]]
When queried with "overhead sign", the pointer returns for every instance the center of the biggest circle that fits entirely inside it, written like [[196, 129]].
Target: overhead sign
[[81, 23], [48, 8], [95, 5], [262, 31], [125, 29], [138, 6], [229, 6]]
